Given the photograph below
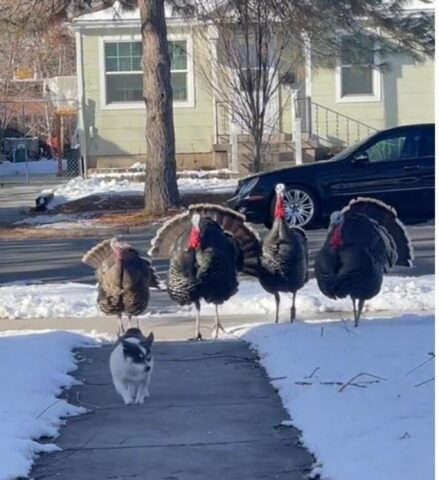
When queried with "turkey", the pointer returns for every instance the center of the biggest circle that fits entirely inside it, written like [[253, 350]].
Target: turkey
[[208, 246], [284, 261], [124, 279], [364, 241]]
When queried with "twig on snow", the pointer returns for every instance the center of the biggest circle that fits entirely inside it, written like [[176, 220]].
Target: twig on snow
[[303, 383], [351, 380], [423, 383], [313, 373], [421, 364]]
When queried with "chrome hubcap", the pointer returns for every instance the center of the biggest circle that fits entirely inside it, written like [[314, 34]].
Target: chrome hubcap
[[299, 207]]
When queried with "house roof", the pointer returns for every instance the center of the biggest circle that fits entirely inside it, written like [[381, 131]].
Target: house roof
[[117, 16]]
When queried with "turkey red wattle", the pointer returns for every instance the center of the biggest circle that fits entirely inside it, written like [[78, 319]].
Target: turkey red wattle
[[336, 237], [195, 238], [279, 210], [117, 250]]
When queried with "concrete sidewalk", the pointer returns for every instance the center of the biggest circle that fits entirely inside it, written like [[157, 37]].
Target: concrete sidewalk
[[212, 415]]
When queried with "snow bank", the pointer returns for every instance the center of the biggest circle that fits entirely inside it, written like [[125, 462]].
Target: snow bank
[[40, 167], [381, 428], [79, 300], [34, 369], [79, 188], [398, 294]]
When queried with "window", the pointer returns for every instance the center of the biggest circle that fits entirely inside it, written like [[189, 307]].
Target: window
[[124, 76], [357, 77], [395, 148], [123, 72]]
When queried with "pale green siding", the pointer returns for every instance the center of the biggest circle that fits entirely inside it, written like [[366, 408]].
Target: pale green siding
[[407, 96], [121, 131]]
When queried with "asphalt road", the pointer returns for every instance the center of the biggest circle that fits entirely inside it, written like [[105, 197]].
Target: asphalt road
[[59, 260]]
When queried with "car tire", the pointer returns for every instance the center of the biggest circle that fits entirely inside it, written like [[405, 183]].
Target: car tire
[[301, 205]]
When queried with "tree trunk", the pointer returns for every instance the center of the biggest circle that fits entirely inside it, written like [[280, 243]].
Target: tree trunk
[[161, 190]]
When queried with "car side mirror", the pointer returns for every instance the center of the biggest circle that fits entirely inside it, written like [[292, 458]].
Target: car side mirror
[[360, 158]]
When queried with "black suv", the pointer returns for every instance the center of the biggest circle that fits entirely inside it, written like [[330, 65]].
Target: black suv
[[394, 165]]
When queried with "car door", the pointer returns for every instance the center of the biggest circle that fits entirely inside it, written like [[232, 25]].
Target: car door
[[386, 168], [427, 170]]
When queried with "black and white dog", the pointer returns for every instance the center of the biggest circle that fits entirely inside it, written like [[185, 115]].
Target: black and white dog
[[131, 365]]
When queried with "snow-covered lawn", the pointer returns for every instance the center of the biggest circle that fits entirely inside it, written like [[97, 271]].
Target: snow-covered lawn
[[34, 368], [40, 167], [399, 294], [379, 428], [79, 187]]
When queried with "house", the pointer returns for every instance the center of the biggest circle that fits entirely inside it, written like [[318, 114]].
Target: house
[[335, 106]]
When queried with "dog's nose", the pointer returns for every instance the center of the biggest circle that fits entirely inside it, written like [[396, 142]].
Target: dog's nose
[[147, 368]]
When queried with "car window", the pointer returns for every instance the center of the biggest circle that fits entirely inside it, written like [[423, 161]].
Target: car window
[[395, 147]]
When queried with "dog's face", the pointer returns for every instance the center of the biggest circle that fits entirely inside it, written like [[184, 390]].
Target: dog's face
[[138, 353]]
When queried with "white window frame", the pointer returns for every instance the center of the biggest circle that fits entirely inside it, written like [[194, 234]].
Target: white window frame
[[376, 84], [188, 103]]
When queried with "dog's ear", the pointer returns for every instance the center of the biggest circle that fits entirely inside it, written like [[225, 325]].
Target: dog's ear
[[149, 340]]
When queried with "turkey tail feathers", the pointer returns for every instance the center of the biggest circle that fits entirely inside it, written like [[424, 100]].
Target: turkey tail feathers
[[98, 254], [166, 237], [233, 223], [154, 280], [392, 229]]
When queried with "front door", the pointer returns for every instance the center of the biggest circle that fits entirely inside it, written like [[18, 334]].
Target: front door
[[242, 114]]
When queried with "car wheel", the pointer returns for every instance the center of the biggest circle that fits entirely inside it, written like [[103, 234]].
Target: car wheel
[[301, 207]]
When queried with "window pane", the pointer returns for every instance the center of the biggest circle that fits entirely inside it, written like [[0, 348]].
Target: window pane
[[136, 63], [395, 148], [178, 54], [124, 88], [124, 49], [357, 50], [123, 56], [356, 81], [111, 64], [136, 49], [124, 64], [179, 86], [111, 49]]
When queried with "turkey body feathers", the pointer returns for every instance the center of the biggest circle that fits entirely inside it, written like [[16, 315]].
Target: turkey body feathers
[[123, 285], [284, 262], [388, 220]]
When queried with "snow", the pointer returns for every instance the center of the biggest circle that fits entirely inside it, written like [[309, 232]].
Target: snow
[[62, 221], [398, 294], [79, 188], [34, 369], [380, 428], [49, 300], [40, 167]]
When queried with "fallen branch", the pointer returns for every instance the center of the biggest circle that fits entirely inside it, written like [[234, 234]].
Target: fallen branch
[[351, 380], [313, 373], [421, 364], [426, 381]]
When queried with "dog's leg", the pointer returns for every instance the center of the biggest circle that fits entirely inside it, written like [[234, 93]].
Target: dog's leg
[[123, 390]]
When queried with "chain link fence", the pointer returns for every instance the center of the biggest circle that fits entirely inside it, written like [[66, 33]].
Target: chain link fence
[[37, 138]]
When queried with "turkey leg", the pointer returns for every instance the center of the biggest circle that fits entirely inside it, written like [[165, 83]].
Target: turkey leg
[[198, 335], [359, 310], [218, 325], [121, 330], [293, 308], [277, 300]]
